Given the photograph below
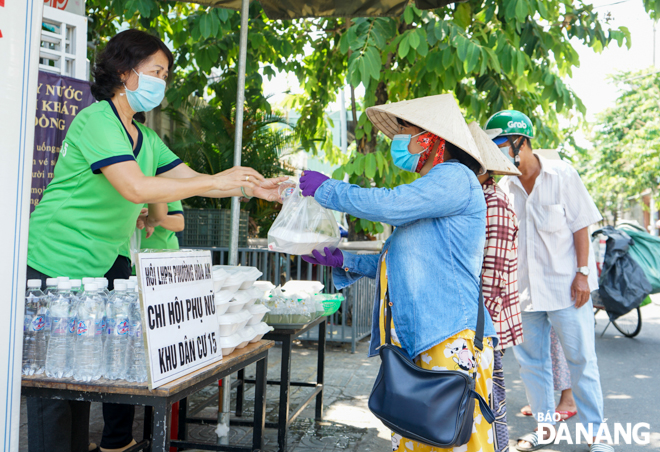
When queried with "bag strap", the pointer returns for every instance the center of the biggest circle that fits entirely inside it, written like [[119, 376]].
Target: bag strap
[[479, 333]]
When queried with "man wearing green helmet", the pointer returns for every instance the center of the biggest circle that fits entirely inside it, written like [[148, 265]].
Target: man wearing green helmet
[[556, 274]]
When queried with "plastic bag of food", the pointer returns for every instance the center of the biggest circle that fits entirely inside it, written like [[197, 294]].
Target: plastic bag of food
[[302, 226]]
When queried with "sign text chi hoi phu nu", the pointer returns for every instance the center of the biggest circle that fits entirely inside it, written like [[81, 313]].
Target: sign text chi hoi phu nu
[[178, 313]]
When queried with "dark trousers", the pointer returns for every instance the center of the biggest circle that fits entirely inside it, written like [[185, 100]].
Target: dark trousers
[[63, 425]]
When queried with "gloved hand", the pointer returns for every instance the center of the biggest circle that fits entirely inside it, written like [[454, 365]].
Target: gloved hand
[[310, 181], [331, 259]]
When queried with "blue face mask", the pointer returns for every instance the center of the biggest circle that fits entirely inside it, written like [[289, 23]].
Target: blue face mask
[[148, 95], [505, 151], [401, 156]]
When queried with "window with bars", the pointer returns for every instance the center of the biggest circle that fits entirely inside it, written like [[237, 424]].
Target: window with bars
[[64, 44]]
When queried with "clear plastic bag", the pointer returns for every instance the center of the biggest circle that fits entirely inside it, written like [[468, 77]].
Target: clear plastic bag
[[134, 245], [302, 226]]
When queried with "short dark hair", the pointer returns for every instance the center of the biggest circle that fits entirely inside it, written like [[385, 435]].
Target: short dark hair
[[403, 123], [463, 157], [125, 51]]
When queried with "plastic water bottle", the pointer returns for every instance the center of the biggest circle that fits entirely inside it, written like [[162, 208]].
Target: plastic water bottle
[[76, 286], [34, 329], [136, 364], [88, 355], [62, 278], [102, 285], [51, 286], [114, 351], [61, 341]]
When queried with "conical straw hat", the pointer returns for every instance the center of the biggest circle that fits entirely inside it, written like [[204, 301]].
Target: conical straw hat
[[494, 160], [439, 115]]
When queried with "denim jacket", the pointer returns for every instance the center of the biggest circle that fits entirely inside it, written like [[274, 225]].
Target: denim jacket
[[433, 257]]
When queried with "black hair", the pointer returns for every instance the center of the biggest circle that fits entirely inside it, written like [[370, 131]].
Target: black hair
[[403, 123], [124, 52], [463, 157]]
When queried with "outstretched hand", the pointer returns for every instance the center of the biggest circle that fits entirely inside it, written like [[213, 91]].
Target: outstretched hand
[[269, 189], [333, 258]]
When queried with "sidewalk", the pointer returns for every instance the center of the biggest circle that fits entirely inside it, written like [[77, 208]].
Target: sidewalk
[[629, 374]]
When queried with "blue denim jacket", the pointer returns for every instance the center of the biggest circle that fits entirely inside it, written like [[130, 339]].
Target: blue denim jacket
[[433, 257]]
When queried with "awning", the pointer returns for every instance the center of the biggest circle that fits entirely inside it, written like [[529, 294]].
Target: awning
[[292, 9]]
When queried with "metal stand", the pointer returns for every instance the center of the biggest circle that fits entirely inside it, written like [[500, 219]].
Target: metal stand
[[285, 383]]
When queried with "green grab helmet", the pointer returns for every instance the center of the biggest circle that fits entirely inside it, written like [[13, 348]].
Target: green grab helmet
[[509, 122]]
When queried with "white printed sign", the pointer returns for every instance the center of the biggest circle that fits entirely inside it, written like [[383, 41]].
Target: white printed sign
[[178, 313]]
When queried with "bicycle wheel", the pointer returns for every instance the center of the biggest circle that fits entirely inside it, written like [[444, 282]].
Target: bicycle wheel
[[630, 324]]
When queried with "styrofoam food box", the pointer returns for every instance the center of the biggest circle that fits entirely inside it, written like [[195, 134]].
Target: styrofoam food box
[[228, 344], [247, 334], [237, 303], [260, 329], [241, 276], [219, 277], [232, 322], [258, 312], [310, 287]]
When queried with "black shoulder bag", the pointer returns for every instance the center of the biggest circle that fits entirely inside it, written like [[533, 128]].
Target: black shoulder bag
[[434, 407]]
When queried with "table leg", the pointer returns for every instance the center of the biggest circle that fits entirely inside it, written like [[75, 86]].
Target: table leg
[[285, 384], [183, 419], [240, 389], [260, 404], [146, 432], [320, 369], [160, 424]]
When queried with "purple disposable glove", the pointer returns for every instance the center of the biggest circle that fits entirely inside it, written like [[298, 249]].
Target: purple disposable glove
[[331, 259], [310, 181]]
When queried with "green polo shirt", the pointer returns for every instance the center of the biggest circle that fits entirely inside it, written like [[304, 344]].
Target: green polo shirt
[[82, 222], [163, 239]]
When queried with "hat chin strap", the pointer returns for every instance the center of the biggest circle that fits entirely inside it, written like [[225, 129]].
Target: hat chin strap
[[516, 151]]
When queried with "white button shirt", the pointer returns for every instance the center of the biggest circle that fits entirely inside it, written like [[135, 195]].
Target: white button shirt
[[558, 206]]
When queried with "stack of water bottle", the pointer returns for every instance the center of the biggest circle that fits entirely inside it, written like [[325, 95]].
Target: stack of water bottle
[[78, 329]]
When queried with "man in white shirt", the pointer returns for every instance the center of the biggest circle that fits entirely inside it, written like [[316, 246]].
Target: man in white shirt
[[556, 274]]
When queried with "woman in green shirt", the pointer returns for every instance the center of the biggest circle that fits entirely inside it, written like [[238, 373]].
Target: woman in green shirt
[[108, 168]]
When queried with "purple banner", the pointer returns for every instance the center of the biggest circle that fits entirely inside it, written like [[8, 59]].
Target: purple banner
[[59, 100]]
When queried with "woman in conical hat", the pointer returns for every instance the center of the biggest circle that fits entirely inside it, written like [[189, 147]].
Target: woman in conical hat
[[430, 266], [500, 272]]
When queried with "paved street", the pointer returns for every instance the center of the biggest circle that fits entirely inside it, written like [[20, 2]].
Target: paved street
[[629, 373]]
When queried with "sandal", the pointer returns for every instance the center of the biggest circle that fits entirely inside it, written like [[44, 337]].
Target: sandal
[[526, 410], [568, 414], [533, 439], [601, 447]]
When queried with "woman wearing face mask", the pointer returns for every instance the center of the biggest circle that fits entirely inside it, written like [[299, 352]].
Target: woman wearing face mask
[[432, 262], [109, 166]]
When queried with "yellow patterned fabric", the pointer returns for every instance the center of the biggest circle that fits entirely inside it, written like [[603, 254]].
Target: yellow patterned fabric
[[455, 353]]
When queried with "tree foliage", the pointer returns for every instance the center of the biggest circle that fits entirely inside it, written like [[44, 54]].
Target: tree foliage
[[625, 158], [492, 54]]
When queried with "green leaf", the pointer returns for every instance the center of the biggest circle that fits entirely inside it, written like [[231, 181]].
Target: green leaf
[[413, 39], [404, 46], [339, 173], [521, 10], [463, 15], [462, 47], [408, 15], [542, 9], [359, 164], [494, 62], [208, 25], [375, 64], [447, 57], [473, 54], [370, 166]]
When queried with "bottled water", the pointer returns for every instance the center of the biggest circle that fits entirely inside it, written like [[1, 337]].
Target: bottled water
[[34, 329], [136, 364], [62, 278], [75, 286], [102, 286], [51, 286], [114, 351], [88, 355], [61, 342]]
